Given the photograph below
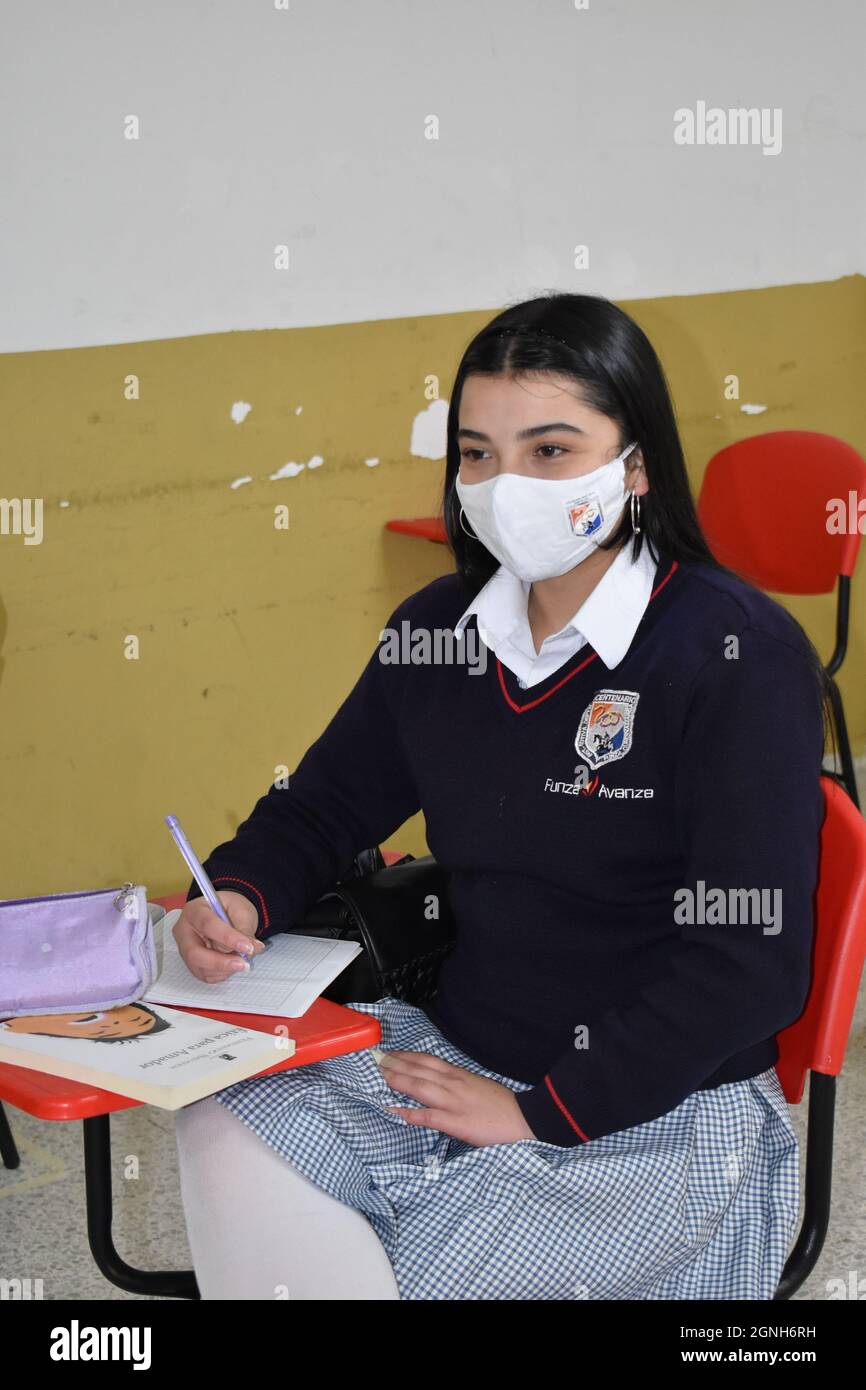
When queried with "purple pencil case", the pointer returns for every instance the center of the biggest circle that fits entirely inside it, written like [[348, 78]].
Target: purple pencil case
[[73, 951]]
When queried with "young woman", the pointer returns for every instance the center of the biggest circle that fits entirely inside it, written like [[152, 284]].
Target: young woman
[[625, 796]]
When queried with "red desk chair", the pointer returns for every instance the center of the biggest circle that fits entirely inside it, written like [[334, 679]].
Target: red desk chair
[[787, 478], [816, 1042]]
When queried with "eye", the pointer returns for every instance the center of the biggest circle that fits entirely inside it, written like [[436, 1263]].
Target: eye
[[469, 453], [88, 1018], [557, 447]]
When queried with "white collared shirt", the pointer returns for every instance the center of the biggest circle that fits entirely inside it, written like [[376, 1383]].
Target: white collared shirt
[[608, 618]]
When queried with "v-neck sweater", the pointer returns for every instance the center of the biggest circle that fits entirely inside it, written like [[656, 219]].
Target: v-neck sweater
[[631, 854]]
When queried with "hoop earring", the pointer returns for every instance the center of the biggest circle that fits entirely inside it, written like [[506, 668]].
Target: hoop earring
[[470, 534], [635, 513]]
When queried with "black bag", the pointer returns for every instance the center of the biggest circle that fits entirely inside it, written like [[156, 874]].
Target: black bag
[[386, 908]]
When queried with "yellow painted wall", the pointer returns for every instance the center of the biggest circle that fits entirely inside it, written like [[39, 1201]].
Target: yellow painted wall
[[250, 637]]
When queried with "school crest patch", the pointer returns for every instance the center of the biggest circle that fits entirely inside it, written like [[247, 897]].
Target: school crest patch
[[606, 726], [585, 516]]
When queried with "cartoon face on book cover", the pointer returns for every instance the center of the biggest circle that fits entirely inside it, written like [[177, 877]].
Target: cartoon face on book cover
[[125, 1023]]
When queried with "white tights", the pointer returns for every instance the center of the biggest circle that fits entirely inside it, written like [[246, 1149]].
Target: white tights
[[258, 1228]]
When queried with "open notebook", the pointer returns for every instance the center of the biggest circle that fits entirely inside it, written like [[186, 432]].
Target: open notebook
[[286, 978]]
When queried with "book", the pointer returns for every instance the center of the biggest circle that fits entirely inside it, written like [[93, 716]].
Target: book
[[285, 979], [150, 1053]]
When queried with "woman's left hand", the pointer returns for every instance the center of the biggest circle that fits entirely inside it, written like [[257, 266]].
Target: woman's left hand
[[456, 1101]]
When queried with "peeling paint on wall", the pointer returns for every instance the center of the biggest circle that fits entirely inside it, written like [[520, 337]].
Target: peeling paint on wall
[[288, 470], [429, 431]]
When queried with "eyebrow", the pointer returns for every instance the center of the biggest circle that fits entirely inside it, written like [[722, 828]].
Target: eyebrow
[[532, 433]]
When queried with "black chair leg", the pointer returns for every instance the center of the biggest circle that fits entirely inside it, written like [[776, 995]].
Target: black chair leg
[[97, 1178], [845, 758], [8, 1148], [819, 1180]]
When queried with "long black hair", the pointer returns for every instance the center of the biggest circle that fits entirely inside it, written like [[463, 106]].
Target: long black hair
[[612, 361]]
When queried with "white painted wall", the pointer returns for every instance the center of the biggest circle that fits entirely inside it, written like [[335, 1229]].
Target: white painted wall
[[306, 127]]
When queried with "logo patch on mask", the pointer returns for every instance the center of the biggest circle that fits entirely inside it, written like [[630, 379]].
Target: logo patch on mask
[[606, 726], [585, 516]]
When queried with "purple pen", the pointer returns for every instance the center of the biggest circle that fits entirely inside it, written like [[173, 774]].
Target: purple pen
[[201, 878]]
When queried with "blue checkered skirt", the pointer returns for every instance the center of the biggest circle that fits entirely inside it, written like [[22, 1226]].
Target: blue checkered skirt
[[700, 1203]]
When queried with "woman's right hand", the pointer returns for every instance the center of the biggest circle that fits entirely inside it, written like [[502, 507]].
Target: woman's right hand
[[207, 945]]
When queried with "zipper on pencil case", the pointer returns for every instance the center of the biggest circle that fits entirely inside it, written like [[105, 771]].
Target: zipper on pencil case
[[128, 891], [120, 895], [148, 976], [60, 897]]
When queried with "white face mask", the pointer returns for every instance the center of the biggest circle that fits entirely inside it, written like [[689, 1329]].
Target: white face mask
[[541, 527]]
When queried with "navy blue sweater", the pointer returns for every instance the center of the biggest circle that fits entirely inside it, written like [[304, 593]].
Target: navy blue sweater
[[601, 954]]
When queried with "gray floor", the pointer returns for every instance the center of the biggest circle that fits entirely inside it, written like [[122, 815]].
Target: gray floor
[[42, 1225]]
